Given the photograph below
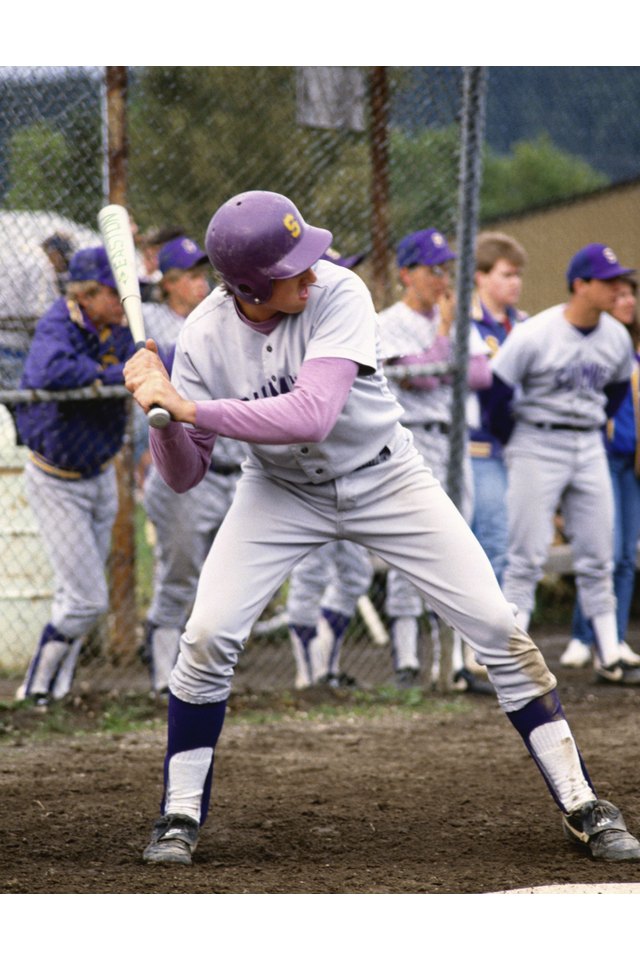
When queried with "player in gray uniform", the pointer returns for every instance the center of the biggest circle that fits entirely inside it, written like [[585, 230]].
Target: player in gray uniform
[[560, 375], [283, 356], [417, 330], [185, 524]]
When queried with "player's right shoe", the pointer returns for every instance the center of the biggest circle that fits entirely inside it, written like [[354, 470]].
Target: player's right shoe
[[618, 674], [598, 828], [173, 840], [577, 654], [407, 677]]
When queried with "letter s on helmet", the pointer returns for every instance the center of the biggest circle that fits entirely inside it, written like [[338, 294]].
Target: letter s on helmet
[[257, 237]]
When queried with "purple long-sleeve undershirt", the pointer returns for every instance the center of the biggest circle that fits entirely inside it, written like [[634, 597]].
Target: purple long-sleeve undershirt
[[478, 370], [307, 414]]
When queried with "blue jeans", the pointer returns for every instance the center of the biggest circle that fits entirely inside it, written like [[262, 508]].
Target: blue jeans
[[626, 497], [490, 510]]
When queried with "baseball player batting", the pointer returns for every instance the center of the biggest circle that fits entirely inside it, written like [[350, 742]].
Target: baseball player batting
[[283, 355]]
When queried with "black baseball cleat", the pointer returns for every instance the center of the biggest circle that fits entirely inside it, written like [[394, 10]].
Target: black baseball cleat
[[340, 681], [173, 840], [407, 677], [619, 674], [464, 681], [598, 828]]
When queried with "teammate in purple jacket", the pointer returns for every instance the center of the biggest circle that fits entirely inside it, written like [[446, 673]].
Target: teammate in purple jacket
[[70, 476], [283, 356]]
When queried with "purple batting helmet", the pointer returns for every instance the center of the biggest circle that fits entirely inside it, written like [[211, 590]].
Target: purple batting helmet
[[257, 237]]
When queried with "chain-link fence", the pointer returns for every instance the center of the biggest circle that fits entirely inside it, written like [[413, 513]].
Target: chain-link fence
[[370, 153]]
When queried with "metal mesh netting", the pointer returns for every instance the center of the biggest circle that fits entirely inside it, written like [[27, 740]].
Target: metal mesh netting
[[370, 153]]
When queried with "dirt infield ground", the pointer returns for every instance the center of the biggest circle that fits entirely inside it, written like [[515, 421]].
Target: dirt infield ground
[[435, 797]]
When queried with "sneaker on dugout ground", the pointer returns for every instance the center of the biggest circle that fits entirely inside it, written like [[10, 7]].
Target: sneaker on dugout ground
[[173, 840], [464, 681], [598, 828], [618, 674], [577, 654], [629, 656], [407, 677], [339, 681]]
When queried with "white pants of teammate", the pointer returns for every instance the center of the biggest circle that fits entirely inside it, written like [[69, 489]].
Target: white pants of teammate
[[565, 469], [402, 598], [185, 525], [75, 518], [334, 576], [397, 510]]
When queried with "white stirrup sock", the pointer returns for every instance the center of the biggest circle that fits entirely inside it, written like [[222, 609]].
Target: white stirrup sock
[[555, 749], [405, 643], [606, 631], [185, 782]]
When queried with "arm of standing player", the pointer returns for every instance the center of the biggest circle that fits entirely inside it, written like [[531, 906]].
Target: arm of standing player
[[496, 405], [615, 393]]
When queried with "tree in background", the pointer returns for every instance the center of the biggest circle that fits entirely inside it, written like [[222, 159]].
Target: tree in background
[[536, 173]]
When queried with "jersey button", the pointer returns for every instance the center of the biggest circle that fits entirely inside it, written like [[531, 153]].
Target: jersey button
[[274, 378], [269, 348], [319, 470], [304, 449]]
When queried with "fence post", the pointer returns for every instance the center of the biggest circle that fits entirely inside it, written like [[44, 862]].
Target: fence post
[[471, 142], [122, 581], [379, 148]]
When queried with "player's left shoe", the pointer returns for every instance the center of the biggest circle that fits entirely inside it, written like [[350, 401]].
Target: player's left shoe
[[173, 840], [629, 656], [618, 674], [598, 828]]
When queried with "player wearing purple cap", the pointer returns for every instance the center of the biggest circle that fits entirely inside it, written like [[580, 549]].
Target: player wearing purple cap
[[283, 356], [558, 378], [70, 477]]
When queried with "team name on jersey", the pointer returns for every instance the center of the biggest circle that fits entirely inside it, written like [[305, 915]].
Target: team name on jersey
[[589, 376]]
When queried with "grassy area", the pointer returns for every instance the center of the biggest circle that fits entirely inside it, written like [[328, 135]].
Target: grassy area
[[95, 713]]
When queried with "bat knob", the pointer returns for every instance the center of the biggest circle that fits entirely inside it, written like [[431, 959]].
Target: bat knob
[[158, 418]]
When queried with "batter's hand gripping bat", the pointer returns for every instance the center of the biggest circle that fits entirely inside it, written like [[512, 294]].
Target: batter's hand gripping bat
[[115, 228]]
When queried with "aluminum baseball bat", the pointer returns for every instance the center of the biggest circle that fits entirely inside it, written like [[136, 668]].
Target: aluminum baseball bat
[[115, 228]]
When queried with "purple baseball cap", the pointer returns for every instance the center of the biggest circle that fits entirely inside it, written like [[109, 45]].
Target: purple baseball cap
[[349, 262], [181, 254], [596, 261], [424, 248], [92, 263]]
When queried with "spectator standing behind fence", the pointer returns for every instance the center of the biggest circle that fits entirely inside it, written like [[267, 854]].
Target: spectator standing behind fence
[[70, 475], [417, 330], [498, 278], [559, 376], [184, 524], [58, 249], [623, 457], [324, 590]]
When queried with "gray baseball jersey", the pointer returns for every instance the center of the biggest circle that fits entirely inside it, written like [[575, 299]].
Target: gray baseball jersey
[[219, 356], [561, 372]]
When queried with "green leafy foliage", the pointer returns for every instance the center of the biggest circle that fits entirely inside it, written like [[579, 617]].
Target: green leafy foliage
[[535, 173]]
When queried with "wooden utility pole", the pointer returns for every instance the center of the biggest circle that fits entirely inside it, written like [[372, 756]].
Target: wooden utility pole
[[122, 583], [379, 150]]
